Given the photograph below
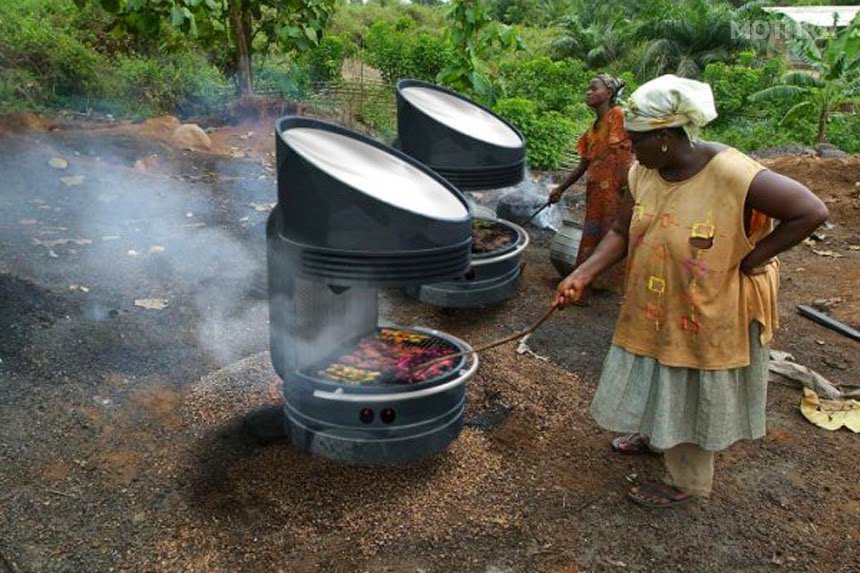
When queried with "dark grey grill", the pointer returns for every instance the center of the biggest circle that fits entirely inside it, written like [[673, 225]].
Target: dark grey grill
[[332, 240], [465, 143]]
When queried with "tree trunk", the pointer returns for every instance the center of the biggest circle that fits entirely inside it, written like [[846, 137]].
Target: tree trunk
[[822, 125], [240, 19]]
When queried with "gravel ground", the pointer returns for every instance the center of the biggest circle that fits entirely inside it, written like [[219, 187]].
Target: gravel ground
[[122, 449]]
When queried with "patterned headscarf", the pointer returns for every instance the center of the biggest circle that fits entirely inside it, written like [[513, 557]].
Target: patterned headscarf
[[670, 101], [615, 85]]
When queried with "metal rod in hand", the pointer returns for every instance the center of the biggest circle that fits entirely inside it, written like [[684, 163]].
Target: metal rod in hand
[[536, 213], [493, 344]]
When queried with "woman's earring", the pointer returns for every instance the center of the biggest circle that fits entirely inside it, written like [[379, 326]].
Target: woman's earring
[[664, 149]]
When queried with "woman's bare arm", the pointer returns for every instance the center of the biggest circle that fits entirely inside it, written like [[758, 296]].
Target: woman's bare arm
[[797, 209], [611, 249], [575, 175]]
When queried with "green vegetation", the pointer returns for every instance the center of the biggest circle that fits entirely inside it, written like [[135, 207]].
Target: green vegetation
[[529, 60], [831, 81]]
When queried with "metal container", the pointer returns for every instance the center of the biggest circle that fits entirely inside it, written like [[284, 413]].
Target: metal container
[[564, 247], [465, 143], [491, 278]]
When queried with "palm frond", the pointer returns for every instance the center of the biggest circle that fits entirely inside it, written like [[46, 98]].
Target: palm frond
[[688, 68], [802, 79], [795, 111], [777, 92]]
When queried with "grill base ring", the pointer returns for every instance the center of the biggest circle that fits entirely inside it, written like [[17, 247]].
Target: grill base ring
[[464, 294], [355, 447]]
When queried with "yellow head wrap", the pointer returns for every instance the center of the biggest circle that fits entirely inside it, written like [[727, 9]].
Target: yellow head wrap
[[670, 101]]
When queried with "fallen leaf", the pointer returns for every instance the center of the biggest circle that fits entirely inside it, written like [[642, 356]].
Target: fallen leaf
[[611, 561], [151, 303], [827, 302], [72, 180], [830, 414], [58, 163], [262, 207], [832, 254], [52, 254]]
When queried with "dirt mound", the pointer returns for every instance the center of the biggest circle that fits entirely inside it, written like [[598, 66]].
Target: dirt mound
[[835, 180], [20, 122]]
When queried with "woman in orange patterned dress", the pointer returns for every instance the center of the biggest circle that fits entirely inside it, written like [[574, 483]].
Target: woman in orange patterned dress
[[606, 155]]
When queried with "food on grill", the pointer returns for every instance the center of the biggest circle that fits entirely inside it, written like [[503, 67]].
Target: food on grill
[[390, 355], [402, 336], [344, 373], [489, 236]]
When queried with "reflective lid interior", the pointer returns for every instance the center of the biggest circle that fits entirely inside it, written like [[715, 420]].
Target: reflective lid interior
[[375, 172], [462, 116]]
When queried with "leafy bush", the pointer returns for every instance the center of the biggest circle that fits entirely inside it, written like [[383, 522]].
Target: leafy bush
[[844, 132], [282, 75], [354, 21], [732, 86], [405, 53], [552, 85], [750, 134], [324, 61], [547, 133], [183, 84], [53, 61], [517, 11]]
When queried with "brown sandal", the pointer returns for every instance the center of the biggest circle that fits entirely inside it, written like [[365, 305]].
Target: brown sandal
[[658, 495], [632, 444]]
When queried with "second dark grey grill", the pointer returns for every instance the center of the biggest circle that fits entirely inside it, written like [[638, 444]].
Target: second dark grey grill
[[465, 143]]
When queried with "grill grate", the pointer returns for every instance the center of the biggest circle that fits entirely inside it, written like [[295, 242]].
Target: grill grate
[[388, 356]]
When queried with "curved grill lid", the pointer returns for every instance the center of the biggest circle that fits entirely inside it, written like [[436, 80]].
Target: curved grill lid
[[469, 145], [355, 212]]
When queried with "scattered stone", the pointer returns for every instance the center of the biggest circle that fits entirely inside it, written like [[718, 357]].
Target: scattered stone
[[829, 150], [191, 136], [72, 180], [58, 163]]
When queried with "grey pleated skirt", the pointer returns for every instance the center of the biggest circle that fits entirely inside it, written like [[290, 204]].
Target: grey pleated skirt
[[671, 405]]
